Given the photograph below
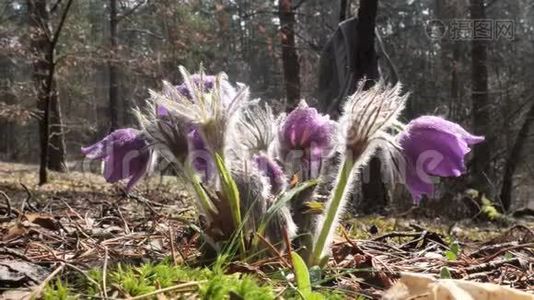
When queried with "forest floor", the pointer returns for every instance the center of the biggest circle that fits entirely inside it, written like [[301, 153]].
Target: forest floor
[[79, 237]]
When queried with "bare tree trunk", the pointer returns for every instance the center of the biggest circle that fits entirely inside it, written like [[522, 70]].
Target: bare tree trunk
[[348, 57], [112, 69], [450, 64], [42, 55], [343, 9], [481, 115], [57, 149], [8, 136], [455, 80], [513, 159], [42, 45], [290, 59], [373, 190]]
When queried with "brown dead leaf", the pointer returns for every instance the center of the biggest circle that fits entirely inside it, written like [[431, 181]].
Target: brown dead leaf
[[16, 230], [16, 294], [42, 219], [424, 286]]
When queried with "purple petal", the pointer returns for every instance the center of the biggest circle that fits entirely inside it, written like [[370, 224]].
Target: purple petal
[[209, 82], [305, 129], [417, 186], [441, 124], [140, 170], [434, 152], [95, 151], [199, 156], [271, 170], [125, 154], [207, 85], [433, 146], [161, 111]]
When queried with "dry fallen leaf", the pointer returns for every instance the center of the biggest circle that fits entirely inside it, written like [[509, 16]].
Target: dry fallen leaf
[[425, 287], [18, 273], [42, 219], [14, 231]]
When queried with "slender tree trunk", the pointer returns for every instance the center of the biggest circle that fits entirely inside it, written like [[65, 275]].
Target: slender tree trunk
[[112, 68], [42, 46], [513, 159], [481, 115], [365, 60], [290, 59], [450, 55], [42, 56], [343, 9], [455, 80], [8, 136], [57, 149], [373, 190]]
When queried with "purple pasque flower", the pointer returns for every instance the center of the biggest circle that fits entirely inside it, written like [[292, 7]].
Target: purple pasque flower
[[200, 82], [126, 154], [212, 111], [307, 131], [270, 169], [200, 158], [433, 146]]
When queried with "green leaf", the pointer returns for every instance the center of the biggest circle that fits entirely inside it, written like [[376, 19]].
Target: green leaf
[[303, 279], [454, 251], [451, 256], [455, 248], [203, 196], [444, 273], [508, 255], [301, 273], [232, 195]]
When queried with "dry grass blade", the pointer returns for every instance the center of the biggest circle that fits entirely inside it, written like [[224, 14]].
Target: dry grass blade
[[36, 293], [184, 287]]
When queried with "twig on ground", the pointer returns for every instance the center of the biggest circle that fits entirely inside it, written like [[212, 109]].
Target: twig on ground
[[487, 266], [492, 248], [36, 294], [104, 273], [501, 251], [87, 277], [187, 285], [126, 228], [479, 276], [173, 249], [394, 234], [15, 253], [27, 199], [8, 203], [274, 250]]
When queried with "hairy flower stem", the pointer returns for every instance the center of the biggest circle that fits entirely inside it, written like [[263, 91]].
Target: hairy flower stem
[[332, 211], [231, 192]]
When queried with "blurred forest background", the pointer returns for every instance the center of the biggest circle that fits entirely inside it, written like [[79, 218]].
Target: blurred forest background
[[93, 61]]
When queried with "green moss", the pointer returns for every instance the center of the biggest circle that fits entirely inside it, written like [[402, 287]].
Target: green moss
[[229, 286], [140, 280], [57, 291]]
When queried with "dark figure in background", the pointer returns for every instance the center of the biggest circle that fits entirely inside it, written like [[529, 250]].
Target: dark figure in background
[[349, 57]]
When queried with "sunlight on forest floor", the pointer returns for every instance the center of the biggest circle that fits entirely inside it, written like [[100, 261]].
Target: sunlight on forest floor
[[85, 226]]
